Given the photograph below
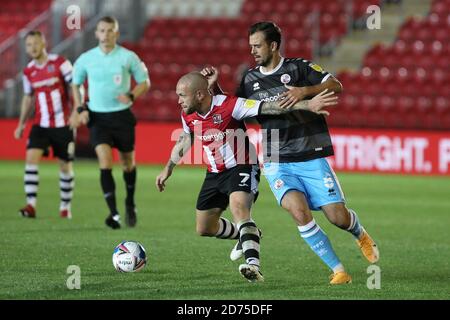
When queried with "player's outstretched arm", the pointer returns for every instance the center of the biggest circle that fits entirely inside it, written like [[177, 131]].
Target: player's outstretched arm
[[316, 105], [182, 146], [25, 111]]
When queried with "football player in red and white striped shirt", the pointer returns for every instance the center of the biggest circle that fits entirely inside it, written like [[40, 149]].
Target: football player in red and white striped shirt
[[46, 78], [233, 173]]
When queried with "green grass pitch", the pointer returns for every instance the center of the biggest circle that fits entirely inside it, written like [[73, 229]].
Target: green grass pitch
[[409, 217]]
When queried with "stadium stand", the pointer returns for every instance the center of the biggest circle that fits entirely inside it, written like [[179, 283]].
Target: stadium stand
[[14, 15], [172, 46], [404, 85]]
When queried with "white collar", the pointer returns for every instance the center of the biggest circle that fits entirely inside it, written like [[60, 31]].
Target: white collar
[[42, 65], [210, 108], [274, 70]]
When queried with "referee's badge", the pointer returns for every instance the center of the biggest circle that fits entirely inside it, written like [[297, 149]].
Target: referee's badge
[[285, 78], [117, 79]]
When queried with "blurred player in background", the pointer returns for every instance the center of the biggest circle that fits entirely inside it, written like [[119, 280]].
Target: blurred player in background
[[233, 174], [108, 69], [301, 178], [47, 78]]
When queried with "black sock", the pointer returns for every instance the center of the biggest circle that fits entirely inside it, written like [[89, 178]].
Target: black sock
[[109, 189], [130, 184]]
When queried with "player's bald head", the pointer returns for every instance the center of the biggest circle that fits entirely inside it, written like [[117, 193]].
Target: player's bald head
[[193, 94], [194, 81]]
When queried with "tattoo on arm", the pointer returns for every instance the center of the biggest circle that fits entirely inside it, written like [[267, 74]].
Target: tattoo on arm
[[273, 108], [182, 145]]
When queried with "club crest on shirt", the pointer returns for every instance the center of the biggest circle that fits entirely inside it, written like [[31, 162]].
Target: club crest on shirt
[[51, 68], [217, 119], [117, 79], [285, 78]]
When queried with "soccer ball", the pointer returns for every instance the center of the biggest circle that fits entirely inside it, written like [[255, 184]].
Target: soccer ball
[[129, 256]]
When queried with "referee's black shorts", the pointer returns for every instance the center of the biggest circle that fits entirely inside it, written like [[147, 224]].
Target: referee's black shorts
[[217, 187], [60, 139], [116, 129]]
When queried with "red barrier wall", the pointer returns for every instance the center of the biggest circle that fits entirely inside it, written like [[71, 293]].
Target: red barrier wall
[[10, 148], [389, 151]]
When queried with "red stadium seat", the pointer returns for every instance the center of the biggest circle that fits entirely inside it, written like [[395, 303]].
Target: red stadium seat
[[368, 103], [400, 86]]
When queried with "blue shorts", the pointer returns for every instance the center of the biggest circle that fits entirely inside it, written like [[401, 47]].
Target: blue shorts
[[315, 179]]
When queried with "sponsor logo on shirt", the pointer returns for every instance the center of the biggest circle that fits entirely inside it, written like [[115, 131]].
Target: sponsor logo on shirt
[[47, 82], [273, 98], [217, 136], [263, 95]]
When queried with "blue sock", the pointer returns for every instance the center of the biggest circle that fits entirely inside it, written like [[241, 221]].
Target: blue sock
[[355, 228], [320, 244]]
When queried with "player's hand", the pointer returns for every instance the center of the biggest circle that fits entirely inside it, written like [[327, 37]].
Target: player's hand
[[292, 96], [322, 100], [19, 132], [83, 117], [211, 74], [74, 121], [123, 98], [162, 178]]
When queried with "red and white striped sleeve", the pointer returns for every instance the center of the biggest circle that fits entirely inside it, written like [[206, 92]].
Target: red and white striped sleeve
[[185, 126], [66, 70], [27, 88]]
